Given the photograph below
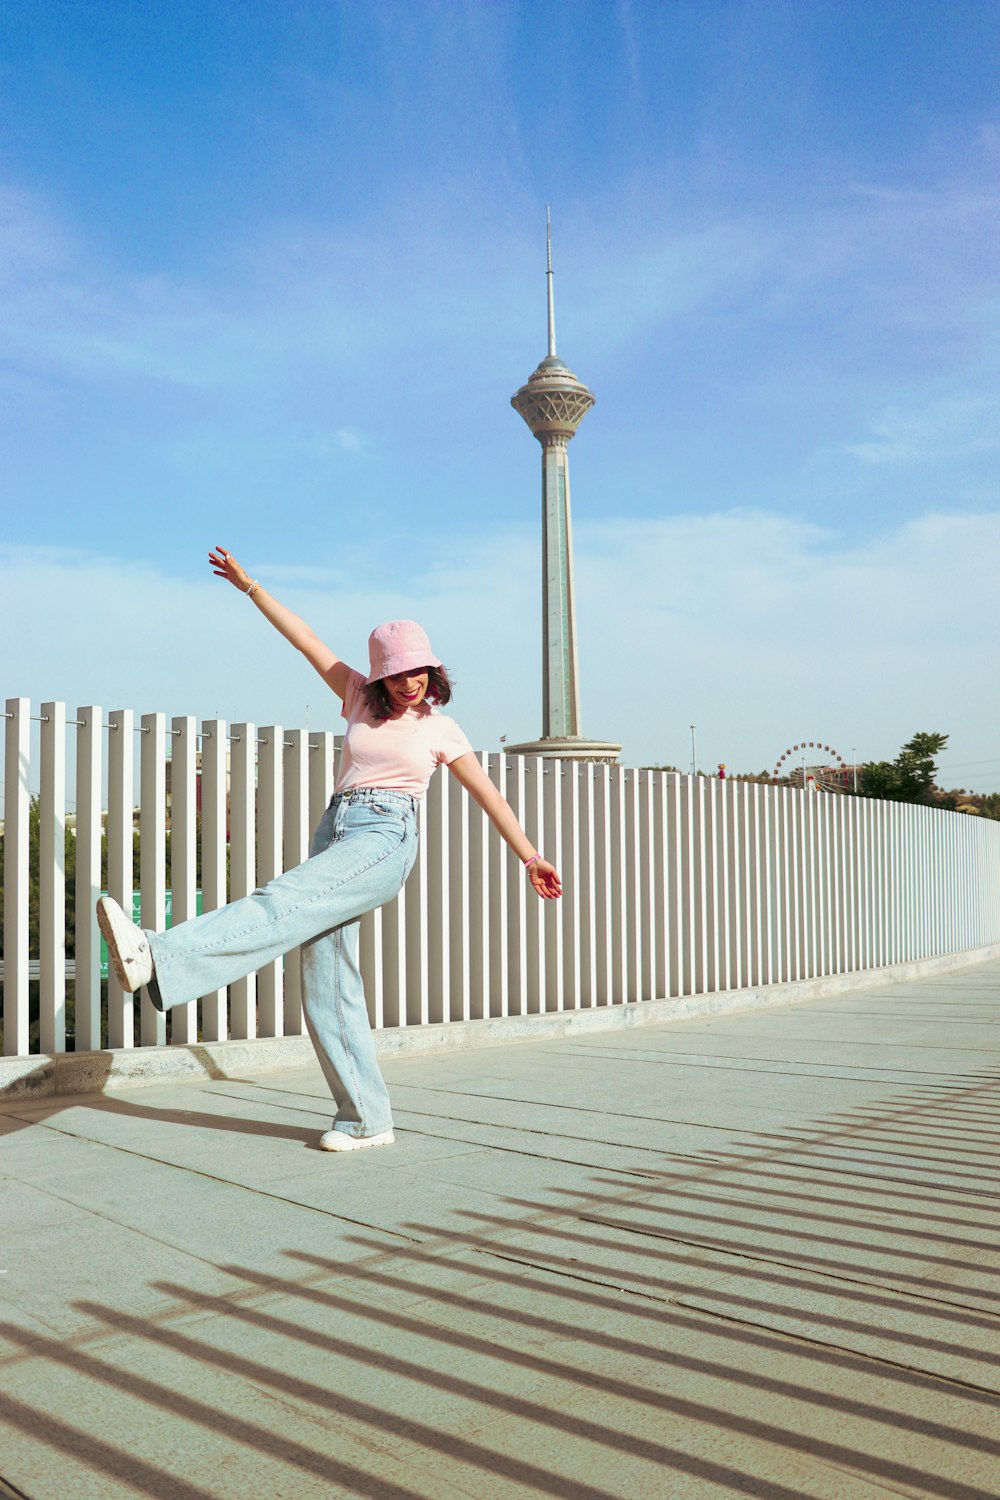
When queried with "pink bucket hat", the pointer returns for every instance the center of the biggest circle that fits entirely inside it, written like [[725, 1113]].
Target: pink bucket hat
[[399, 646]]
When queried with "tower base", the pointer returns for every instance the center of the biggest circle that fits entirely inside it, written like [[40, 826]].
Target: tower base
[[568, 747]]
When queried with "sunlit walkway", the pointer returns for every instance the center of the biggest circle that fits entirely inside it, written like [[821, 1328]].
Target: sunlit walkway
[[752, 1255]]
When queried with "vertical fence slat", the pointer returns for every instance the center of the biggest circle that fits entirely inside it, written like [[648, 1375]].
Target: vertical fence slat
[[52, 880], [478, 834], [730, 826], [586, 876], [89, 781], [716, 882], [152, 855], [604, 986], [121, 874], [458, 885], [416, 932], [392, 924], [632, 896], [839, 891], [700, 886], [17, 809], [214, 757], [617, 887], [321, 752], [510, 874], [782, 893], [747, 864], [659, 893], [183, 814], [809, 882], [550, 834], [672, 883], [574, 875], [295, 850], [499, 943], [532, 822], [767, 888], [242, 861], [270, 798], [443, 939]]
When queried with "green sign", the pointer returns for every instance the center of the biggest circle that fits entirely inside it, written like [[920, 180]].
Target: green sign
[[137, 919]]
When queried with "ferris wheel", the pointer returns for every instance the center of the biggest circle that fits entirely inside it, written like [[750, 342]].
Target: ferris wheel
[[822, 775]]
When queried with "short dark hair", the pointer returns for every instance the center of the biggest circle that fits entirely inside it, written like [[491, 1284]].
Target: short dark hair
[[439, 691]]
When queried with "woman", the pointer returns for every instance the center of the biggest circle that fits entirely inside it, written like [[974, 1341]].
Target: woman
[[361, 854]]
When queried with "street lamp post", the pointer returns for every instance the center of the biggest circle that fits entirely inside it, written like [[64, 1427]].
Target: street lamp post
[[694, 759]]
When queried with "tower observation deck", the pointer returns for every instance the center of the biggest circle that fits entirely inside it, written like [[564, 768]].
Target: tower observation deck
[[554, 402]]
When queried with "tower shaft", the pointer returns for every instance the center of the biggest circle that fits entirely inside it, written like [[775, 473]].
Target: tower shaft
[[560, 673]]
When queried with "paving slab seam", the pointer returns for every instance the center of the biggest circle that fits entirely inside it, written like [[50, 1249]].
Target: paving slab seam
[[831, 1074], [828, 1243], [874, 1294], [585, 1109], [210, 1177], [767, 1190], [546, 1156], [858, 1172], [877, 1486], [793, 1265], [833, 1070], [809, 1140], [690, 1304], [881, 1360], [781, 1204], [547, 1133], [768, 1334]]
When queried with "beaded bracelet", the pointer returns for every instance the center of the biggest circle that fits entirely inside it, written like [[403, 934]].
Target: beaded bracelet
[[254, 585]]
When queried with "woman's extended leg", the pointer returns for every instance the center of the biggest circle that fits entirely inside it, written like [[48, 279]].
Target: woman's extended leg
[[363, 853]]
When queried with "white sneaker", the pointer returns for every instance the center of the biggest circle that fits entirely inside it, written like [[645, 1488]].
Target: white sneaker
[[127, 945], [339, 1140]]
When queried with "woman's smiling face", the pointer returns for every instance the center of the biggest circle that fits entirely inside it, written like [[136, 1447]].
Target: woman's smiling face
[[406, 689]]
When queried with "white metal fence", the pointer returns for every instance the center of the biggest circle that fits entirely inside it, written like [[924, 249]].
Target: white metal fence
[[674, 885]]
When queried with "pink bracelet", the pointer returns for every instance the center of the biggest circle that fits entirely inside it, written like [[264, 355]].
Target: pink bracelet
[[529, 862]]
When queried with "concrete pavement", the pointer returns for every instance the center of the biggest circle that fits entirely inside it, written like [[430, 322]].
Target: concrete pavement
[[749, 1254]]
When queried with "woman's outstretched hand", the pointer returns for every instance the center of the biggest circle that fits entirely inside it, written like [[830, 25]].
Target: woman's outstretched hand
[[544, 878], [224, 565]]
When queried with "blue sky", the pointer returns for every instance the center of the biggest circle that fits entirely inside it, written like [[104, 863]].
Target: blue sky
[[271, 272]]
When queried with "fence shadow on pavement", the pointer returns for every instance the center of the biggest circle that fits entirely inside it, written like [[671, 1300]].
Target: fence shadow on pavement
[[801, 1312]]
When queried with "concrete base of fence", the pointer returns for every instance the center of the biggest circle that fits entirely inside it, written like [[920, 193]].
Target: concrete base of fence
[[41, 1076]]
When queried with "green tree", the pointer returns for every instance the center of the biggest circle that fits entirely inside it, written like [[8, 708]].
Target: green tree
[[908, 778]]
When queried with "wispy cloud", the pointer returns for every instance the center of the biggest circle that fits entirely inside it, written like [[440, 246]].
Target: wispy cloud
[[758, 629], [953, 428]]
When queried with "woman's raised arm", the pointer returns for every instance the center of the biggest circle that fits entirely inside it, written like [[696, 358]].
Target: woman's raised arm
[[333, 671]]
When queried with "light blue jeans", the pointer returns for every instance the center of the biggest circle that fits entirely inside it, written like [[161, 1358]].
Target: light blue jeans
[[361, 854]]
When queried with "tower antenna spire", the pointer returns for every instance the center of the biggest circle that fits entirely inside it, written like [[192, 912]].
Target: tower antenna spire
[[548, 279]]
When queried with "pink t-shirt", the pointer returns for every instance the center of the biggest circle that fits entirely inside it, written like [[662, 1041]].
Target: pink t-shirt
[[400, 753]]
